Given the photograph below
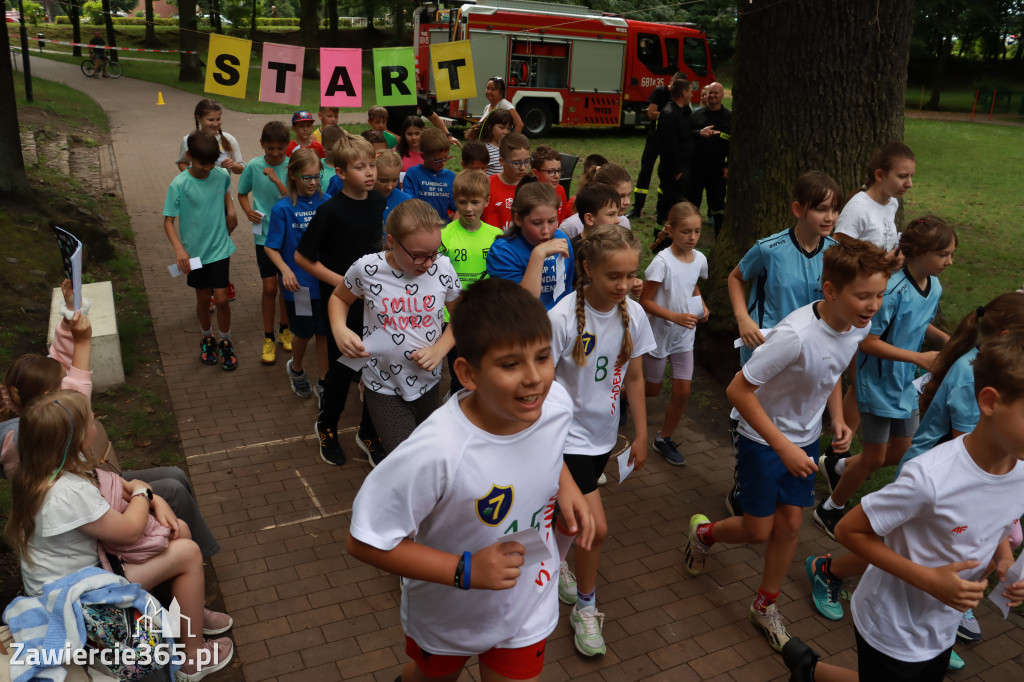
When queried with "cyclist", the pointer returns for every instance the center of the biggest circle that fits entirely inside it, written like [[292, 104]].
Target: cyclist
[[98, 54]]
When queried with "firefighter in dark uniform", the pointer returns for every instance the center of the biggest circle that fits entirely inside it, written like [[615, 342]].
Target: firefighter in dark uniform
[[657, 100], [710, 168], [675, 142]]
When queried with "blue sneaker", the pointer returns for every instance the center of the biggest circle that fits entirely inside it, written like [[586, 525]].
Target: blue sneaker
[[669, 449], [969, 630], [955, 662], [824, 590]]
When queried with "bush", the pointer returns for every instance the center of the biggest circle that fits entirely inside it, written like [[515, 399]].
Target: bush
[[279, 21], [62, 19], [136, 21], [33, 11], [93, 11]]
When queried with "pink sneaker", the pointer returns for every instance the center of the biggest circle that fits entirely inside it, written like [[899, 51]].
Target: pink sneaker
[[220, 652], [215, 623]]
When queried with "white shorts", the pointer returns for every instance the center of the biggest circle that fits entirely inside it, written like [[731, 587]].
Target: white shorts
[[682, 367]]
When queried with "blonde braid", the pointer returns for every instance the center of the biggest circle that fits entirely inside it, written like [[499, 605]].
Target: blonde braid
[[579, 351], [627, 339]]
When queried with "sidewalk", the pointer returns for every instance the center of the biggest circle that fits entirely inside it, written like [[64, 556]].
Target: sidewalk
[[305, 610]]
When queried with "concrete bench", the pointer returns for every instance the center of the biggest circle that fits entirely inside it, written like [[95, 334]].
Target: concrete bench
[[107, 369]]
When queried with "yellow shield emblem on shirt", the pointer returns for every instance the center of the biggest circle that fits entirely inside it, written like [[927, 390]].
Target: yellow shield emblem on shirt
[[493, 507]]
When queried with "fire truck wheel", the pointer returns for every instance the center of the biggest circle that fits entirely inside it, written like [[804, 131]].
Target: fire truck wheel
[[537, 117]]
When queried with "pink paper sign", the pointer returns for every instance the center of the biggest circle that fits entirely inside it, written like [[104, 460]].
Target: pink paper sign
[[281, 81], [341, 77]]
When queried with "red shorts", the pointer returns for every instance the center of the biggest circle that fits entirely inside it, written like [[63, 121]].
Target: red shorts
[[518, 664]]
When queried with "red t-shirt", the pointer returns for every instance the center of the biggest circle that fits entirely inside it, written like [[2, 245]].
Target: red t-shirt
[[315, 146], [564, 209], [499, 205]]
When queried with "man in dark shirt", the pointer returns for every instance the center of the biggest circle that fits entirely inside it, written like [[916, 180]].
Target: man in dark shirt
[[675, 142], [98, 54], [711, 127], [657, 100]]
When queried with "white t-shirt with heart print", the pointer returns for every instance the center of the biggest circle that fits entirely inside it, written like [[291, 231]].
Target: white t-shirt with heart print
[[410, 310]]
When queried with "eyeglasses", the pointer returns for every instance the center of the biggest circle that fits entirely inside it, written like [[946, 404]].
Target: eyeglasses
[[441, 160], [497, 79], [517, 164], [555, 173], [420, 260], [311, 178]]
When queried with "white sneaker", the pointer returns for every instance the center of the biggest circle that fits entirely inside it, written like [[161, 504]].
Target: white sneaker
[[771, 622], [566, 584], [586, 624]]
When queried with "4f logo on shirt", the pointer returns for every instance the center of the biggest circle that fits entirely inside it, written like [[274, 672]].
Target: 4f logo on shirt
[[959, 529], [589, 341], [493, 507]]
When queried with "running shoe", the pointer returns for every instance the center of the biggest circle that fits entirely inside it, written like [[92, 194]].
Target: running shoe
[[208, 353], [828, 518], [216, 623], [696, 552], [669, 449], [824, 590], [299, 382], [969, 630], [269, 354], [330, 449], [372, 447], [586, 624], [566, 584], [771, 622], [285, 337], [228, 361], [955, 662]]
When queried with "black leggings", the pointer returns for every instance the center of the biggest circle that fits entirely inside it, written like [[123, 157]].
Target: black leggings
[[396, 418]]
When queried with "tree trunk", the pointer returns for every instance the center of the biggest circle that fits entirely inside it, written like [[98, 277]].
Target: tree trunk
[[399, 27], [215, 17], [369, 8], [939, 73], [150, 39], [309, 25], [108, 23], [189, 68], [252, 26], [803, 100], [332, 22], [13, 179], [75, 16]]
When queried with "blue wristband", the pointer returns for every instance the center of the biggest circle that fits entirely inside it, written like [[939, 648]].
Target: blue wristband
[[467, 557]]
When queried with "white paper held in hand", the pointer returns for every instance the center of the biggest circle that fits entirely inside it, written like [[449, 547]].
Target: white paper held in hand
[[536, 549], [374, 344], [695, 306], [193, 264], [303, 304], [257, 225], [625, 468], [921, 381], [1013, 575], [738, 343]]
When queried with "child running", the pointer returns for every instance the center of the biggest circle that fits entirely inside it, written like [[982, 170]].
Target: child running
[[288, 222], [486, 464], [201, 200], [670, 288], [780, 396], [596, 331], [409, 142], [207, 115], [534, 252], [264, 178], [405, 289], [922, 576], [886, 362], [785, 273], [58, 515]]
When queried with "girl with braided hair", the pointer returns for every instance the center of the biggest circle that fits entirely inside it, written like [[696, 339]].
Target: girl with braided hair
[[596, 331]]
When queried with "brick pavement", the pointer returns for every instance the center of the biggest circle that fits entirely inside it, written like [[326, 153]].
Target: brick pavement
[[306, 610]]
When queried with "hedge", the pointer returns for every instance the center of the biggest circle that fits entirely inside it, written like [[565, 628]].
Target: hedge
[[279, 21], [126, 21]]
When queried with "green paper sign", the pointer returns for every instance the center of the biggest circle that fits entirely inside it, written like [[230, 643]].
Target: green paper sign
[[394, 71]]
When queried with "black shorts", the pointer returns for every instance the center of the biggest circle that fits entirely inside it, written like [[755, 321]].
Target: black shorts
[[263, 262], [586, 469], [213, 275], [306, 327], [874, 665]]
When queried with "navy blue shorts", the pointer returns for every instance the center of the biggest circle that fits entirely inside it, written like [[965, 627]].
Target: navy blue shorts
[[306, 327], [766, 482]]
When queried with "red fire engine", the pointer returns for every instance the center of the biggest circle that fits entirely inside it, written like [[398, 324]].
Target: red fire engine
[[562, 64]]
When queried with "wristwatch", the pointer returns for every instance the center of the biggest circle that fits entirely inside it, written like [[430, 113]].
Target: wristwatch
[[147, 492]]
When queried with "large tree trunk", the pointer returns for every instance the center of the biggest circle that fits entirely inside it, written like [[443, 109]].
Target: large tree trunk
[[309, 25], [150, 39], [108, 23], [75, 16], [215, 22], [13, 179], [189, 68], [803, 100], [939, 73], [332, 22]]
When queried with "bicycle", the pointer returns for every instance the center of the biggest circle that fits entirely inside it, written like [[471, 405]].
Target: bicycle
[[111, 69]]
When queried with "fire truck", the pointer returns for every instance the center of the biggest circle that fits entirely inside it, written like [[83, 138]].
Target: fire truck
[[562, 64]]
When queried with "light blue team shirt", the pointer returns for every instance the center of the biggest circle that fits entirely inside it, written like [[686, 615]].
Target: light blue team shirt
[[433, 187], [884, 387], [325, 181], [396, 197], [288, 222], [509, 257], [785, 278], [264, 192], [199, 207], [954, 407]]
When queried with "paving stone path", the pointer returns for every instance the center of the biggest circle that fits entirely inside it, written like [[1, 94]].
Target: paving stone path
[[305, 610]]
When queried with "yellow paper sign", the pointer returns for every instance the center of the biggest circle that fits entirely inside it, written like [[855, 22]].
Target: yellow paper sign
[[227, 70], [453, 70]]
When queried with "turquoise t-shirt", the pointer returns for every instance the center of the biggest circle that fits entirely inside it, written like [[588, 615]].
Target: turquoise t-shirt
[[264, 192], [954, 407], [199, 207], [884, 387], [329, 173]]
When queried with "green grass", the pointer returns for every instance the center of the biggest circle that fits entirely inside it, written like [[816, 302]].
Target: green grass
[[66, 103]]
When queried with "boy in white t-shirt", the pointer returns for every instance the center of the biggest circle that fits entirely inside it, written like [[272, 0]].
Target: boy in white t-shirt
[[780, 396], [486, 464], [934, 535]]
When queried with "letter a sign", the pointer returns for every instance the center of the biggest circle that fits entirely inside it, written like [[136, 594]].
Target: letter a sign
[[228, 70], [452, 64]]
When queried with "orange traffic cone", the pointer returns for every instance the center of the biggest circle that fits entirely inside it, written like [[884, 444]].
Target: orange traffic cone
[[159, 98]]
